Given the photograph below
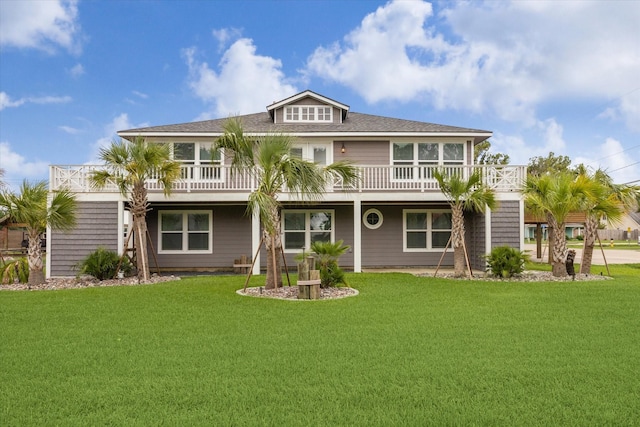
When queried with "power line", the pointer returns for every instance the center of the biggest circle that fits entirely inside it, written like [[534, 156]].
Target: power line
[[620, 152], [624, 167]]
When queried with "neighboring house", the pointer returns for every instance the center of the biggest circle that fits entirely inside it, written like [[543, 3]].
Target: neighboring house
[[395, 217]]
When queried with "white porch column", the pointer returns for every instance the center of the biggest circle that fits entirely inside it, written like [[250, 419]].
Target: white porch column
[[255, 240], [521, 224], [357, 235], [120, 249], [487, 231]]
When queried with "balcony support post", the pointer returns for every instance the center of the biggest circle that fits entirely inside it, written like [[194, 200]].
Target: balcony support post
[[256, 240], [357, 234]]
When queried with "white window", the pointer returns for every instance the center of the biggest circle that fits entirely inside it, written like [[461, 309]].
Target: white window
[[301, 228], [316, 153], [408, 155], [308, 113], [426, 230], [206, 162], [185, 232]]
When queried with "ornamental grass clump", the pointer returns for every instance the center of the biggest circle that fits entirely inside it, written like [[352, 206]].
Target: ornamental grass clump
[[505, 261], [103, 264], [13, 271]]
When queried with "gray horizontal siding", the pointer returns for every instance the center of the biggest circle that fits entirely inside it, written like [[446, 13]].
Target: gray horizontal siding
[[231, 239], [505, 225], [383, 246], [97, 225]]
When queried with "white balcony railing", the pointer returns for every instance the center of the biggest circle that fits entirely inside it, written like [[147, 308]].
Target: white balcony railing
[[209, 178]]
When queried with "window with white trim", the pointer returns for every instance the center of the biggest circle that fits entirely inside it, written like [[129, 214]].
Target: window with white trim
[[426, 229], [205, 159], [301, 228], [428, 154], [308, 113], [185, 232], [372, 219]]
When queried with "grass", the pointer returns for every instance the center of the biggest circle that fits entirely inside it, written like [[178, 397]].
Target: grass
[[406, 351]]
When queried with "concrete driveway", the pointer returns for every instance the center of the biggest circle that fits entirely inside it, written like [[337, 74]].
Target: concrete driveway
[[613, 256]]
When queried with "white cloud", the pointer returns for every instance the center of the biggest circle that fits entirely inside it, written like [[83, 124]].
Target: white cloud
[[70, 130], [7, 102], [613, 158], [245, 82], [120, 122], [225, 35], [503, 58], [17, 167], [77, 71], [140, 94], [548, 133], [40, 24]]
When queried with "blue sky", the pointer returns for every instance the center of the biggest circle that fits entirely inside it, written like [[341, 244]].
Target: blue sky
[[542, 75]]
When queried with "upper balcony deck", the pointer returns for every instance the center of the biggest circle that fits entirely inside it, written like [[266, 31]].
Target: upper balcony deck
[[373, 179]]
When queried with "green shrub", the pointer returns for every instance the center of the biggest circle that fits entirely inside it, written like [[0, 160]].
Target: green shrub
[[102, 264], [15, 271], [327, 254], [580, 237], [505, 261]]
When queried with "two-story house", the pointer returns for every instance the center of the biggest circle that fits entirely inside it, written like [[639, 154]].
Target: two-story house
[[395, 217]]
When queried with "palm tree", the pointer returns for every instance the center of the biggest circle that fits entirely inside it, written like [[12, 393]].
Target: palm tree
[[605, 200], [128, 164], [554, 197], [30, 208], [463, 194], [269, 161]]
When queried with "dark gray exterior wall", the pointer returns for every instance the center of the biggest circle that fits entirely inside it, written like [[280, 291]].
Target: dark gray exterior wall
[[383, 246], [97, 225], [231, 239], [505, 224], [475, 238]]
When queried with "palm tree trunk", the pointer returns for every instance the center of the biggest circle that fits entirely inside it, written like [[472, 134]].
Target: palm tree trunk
[[590, 232], [457, 236], [139, 207], [34, 257], [273, 244], [559, 249]]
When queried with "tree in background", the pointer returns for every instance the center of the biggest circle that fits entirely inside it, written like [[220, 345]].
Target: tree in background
[[482, 156], [128, 165], [469, 194], [551, 164], [269, 161], [29, 207]]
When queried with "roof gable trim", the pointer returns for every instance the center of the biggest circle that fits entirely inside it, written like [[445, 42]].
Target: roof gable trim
[[308, 93]]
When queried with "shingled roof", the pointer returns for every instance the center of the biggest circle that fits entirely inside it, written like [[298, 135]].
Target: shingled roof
[[354, 124], [351, 124]]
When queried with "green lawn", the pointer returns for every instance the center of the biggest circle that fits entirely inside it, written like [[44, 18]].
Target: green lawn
[[406, 351]]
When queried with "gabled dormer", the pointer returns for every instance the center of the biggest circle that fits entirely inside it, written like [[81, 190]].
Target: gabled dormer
[[308, 107]]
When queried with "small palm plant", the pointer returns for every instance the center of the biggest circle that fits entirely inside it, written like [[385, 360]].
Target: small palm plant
[[327, 255], [103, 264], [505, 261]]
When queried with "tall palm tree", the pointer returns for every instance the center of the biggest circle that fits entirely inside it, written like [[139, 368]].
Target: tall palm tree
[[554, 197], [605, 200], [463, 194], [269, 161], [128, 164], [29, 207]]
